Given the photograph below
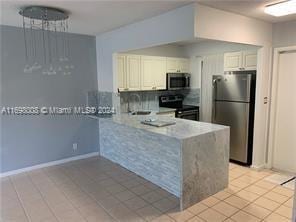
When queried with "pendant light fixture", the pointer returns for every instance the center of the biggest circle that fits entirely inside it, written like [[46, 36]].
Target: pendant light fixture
[[45, 40]]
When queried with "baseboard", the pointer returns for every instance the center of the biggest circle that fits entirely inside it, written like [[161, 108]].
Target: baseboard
[[52, 163], [258, 167]]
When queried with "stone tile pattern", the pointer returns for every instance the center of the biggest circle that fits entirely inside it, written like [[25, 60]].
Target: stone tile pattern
[[183, 129], [97, 190], [205, 162], [161, 159], [149, 99], [155, 157], [103, 99]]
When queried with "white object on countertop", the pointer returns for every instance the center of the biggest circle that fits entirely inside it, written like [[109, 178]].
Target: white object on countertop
[[158, 123]]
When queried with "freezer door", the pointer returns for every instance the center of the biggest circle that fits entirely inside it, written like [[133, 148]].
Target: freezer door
[[232, 87], [236, 116]]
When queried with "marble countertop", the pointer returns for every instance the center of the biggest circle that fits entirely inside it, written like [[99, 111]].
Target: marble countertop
[[183, 129], [165, 110]]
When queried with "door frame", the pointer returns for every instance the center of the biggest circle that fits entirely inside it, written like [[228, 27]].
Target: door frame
[[273, 102]]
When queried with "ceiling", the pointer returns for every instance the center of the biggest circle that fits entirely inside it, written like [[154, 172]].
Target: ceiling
[[250, 8], [93, 17]]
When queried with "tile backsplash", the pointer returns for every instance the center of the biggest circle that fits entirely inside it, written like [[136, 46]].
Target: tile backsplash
[[140, 100], [148, 100]]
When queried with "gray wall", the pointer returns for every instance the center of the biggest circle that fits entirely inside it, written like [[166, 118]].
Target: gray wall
[[31, 140], [284, 34]]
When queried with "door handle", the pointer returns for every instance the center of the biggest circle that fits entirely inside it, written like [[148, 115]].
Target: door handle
[[214, 91]]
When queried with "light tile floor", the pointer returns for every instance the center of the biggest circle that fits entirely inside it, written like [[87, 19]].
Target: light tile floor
[[95, 189]]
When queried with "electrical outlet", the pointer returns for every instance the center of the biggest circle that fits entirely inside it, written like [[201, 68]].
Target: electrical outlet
[[75, 146]]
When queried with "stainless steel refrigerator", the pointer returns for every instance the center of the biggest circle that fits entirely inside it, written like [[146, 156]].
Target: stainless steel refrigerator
[[234, 105]]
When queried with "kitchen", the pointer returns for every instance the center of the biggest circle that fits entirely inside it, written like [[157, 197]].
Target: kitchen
[[184, 83], [194, 124]]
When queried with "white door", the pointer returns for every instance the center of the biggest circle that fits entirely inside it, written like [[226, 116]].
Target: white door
[[133, 72], [159, 74], [121, 72], [284, 143], [249, 60], [232, 61]]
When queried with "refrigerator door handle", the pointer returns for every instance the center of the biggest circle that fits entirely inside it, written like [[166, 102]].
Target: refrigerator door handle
[[214, 91]]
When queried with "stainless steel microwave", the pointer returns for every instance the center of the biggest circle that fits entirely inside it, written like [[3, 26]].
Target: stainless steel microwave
[[177, 81]]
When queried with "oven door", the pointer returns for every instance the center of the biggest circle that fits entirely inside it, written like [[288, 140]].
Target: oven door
[[190, 115], [178, 81]]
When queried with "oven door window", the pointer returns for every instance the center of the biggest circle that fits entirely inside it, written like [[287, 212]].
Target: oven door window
[[177, 82]]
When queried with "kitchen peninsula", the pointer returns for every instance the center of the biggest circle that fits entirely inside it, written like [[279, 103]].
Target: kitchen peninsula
[[188, 159]]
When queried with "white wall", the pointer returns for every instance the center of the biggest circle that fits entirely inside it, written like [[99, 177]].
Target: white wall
[[163, 50], [216, 24], [211, 52], [173, 26], [206, 48], [186, 23], [226, 26], [284, 34]]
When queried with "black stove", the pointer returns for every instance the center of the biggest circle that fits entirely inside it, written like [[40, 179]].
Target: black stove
[[182, 111]]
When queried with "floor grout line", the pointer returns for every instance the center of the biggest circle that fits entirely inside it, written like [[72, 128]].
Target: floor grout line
[[74, 174]]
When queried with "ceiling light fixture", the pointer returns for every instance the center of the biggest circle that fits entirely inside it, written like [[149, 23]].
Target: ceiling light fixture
[[45, 40], [281, 8]]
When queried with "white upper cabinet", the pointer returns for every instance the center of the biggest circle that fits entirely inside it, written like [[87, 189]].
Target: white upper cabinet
[[237, 61], [232, 61], [153, 72], [184, 65], [136, 72], [172, 65], [133, 70], [250, 60], [177, 65], [121, 72], [128, 69], [147, 72], [160, 73]]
